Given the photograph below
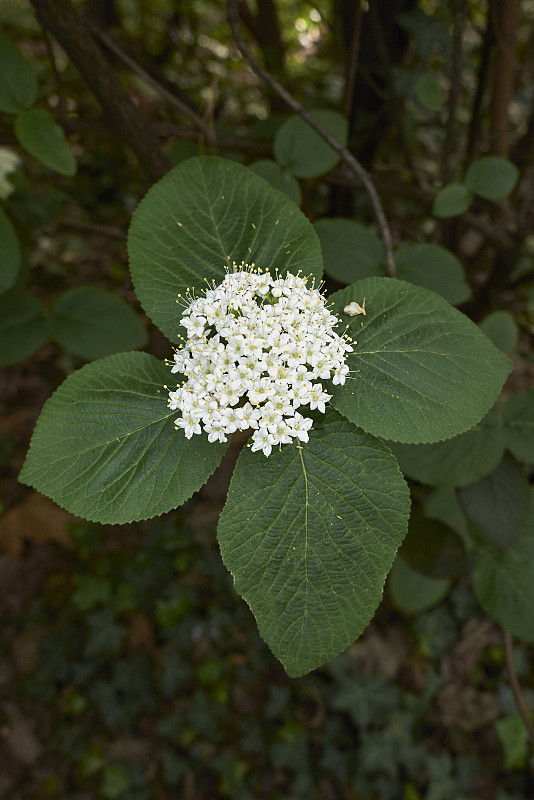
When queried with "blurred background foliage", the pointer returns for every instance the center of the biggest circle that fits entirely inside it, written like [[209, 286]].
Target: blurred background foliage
[[129, 667]]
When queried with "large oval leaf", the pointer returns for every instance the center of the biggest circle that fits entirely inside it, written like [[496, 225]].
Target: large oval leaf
[[413, 592], [452, 200], [498, 503], [350, 250], [204, 214], [435, 268], [421, 371], [501, 328], [504, 582], [92, 323], [105, 447], [275, 176], [301, 151], [310, 534], [518, 420], [492, 177], [459, 461]]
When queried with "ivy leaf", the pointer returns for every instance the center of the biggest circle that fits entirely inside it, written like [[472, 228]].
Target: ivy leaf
[[310, 534], [421, 371], [204, 214], [92, 323], [105, 446]]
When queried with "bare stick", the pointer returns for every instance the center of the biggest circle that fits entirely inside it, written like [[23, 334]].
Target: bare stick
[[354, 57], [298, 108], [62, 114], [516, 689], [62, 19], [129, 61], [458, 10], [92, 227]]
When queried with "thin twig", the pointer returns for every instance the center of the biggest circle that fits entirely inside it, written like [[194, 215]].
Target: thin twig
[[298, 108], [458, 9], [93, 227], [130, 62], [260, 148], [62, 112], [354, 58], [475, 124], [516, 689]]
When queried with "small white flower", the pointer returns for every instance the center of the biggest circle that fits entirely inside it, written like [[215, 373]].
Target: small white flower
[[255, 347], [9, 162], [263, 440]]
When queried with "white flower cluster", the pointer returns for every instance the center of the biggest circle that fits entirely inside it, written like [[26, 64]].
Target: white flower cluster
[[255, 347], [9, 162]]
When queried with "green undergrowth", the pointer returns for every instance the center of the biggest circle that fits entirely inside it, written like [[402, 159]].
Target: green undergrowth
[[152, 681]]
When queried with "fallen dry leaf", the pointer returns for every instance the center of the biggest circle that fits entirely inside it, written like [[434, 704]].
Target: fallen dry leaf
[[36, 519]]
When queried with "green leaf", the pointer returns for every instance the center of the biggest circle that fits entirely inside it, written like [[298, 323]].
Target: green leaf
[[105, 446], [498, 503], [504, 582], [518, 420], [301, 151], [421, 371], [413, 592], [429, 91], [18, 84], [435, 268], [92, 323], [452, 200], [492, 177], [310, 534], [501, 328], [23, 326], [39, 134], [459, 461], [433, 549], [275, 176], [91, 591], [115, 781], [513, 737], [204, 214], [350, 251], [9, 253], [443, 504]]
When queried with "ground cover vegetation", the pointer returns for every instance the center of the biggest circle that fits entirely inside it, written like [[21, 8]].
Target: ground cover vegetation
[[169, 167]]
